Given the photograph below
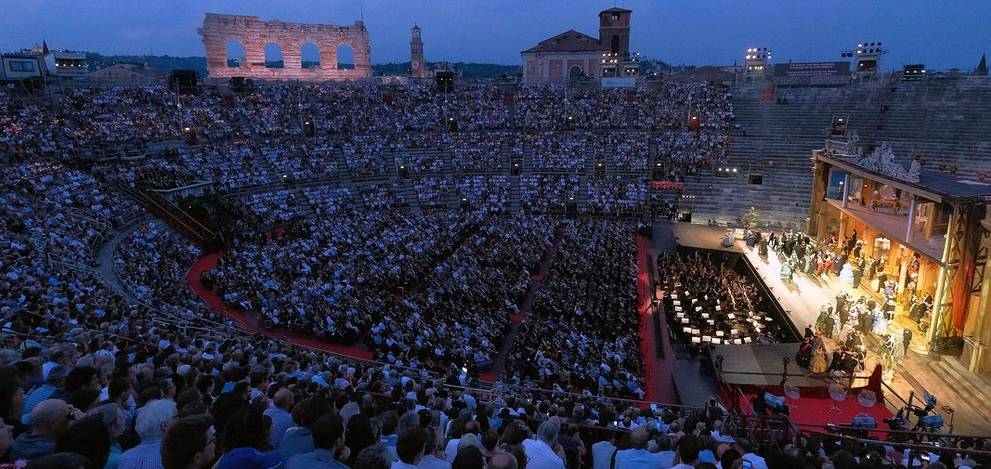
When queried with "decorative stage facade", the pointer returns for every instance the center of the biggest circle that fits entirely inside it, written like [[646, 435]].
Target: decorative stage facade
[[254, 35], [929, 232]]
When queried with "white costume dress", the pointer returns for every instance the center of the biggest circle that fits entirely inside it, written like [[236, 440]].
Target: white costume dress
[[846, 275]]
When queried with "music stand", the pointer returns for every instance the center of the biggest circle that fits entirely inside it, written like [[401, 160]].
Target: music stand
[[792, 392], [867, 399], [838, 393]]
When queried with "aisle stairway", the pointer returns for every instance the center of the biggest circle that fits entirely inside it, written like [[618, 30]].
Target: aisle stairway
[[970, 388]]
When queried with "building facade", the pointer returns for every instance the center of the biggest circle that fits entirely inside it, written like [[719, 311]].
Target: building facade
[[574, 56]]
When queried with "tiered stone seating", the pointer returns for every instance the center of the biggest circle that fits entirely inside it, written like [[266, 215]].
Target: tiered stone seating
[[775, 140]]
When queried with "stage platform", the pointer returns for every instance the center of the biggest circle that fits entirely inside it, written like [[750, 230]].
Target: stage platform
[[701, 236], [761, 365]]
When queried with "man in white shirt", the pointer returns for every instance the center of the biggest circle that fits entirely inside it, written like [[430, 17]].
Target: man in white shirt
[[602, 453], [540, 452], [638, 456], [746, 448]]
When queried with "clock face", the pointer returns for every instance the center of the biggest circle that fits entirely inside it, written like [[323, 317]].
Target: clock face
[[415, 64]]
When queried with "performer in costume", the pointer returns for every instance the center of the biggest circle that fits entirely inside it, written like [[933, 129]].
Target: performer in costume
[[818, 365], [786, 270], [880, 323]]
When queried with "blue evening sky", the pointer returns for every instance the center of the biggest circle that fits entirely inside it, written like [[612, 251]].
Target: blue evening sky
[[939, 33]]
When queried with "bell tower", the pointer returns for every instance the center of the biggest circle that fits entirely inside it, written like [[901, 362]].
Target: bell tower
[[416, 65], [614, 31]]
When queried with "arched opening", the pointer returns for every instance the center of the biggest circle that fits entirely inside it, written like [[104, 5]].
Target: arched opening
[[309, 55], [575, 73], [345, 57], [235, 53], [614, 44], [273, 56]]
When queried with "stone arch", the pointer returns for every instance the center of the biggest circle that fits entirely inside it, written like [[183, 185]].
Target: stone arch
[[575, 73], [254, 34], [274, 56], [309, 55], [345, 56], [235, 53]]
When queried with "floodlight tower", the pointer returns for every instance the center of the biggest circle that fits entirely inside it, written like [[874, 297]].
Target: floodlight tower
[[757, 59], [866, 59]]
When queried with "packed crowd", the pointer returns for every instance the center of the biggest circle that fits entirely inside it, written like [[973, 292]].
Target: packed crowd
[[616, 195], [547, 193], [386, 285], [149, 377], [582, 332]]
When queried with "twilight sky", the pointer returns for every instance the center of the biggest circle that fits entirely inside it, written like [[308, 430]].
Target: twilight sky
[[940, 33]]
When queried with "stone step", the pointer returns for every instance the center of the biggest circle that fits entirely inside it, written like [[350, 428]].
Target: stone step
[[965, 384]]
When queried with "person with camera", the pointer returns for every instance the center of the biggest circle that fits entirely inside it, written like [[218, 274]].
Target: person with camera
[[48, 420]]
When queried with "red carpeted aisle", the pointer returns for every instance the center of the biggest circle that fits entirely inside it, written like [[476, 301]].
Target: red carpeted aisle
[[249, 319], [658, 372], [536, 280]]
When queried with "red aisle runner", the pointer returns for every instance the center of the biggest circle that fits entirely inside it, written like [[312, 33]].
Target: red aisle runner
[[249, 319], [658, 373]]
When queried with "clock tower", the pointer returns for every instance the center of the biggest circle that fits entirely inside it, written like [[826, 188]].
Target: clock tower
[[416, 65]]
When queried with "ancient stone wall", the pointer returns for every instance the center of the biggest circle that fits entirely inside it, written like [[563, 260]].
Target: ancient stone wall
[[254, 34]]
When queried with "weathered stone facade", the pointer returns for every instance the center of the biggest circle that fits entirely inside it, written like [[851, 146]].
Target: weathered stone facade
[[254, 34]]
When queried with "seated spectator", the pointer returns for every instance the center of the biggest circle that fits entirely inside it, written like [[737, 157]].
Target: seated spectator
[[189, 443], [54, 388], [281, 418], [373, 457], [298, 439], [150, 424], [503, 461], [246, 438], [409, 448], [746, 449], [542, 451], [687, 452], [328, 438], [468, 457], [48, 420], [638, 456], [88, 436]]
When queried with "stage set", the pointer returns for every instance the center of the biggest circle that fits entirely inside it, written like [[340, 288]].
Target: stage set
[[892, 265]]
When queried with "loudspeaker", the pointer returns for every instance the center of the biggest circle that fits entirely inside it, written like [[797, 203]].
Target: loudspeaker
[[309, 130], [445, 81], [571, 209], [191, 137], [184, 81], [514, 170]]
